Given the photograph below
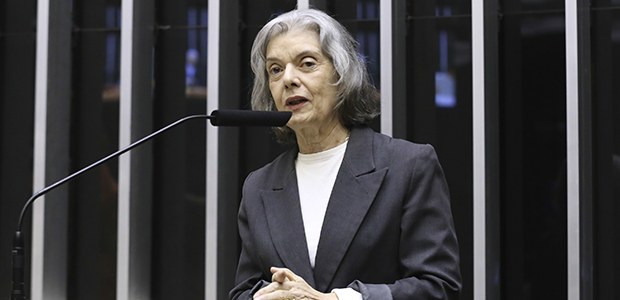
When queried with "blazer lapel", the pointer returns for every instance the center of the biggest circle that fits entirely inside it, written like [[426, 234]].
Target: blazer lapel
[[285, 221], [355, 189]]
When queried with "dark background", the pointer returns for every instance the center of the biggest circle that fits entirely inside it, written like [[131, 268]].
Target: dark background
[[432, 103]]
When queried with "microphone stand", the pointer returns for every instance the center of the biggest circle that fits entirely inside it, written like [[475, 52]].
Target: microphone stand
[[217, 117], [18, 286]]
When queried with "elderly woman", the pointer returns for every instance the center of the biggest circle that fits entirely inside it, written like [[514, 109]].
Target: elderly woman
[[348, 213]]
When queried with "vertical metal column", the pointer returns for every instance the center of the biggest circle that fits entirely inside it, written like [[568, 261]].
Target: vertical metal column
[[135, 168], [212, 167], [385, 49], [486, 172], [303, 4], [51, 149], [479, 141], [580, 264], [392, 48], [572, 149]]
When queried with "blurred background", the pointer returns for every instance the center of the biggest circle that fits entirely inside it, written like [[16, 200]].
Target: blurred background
[[161, 224]]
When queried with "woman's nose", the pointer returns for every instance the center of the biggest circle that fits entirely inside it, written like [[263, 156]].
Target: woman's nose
[[290, 77]]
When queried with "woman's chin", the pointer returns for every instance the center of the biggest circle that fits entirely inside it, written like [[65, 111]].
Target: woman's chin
[[298, 121]]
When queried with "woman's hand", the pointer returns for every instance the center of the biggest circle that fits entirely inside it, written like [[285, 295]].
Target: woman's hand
[[287, 285]]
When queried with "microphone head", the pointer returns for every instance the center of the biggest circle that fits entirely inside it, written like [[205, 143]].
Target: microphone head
[[233, 117]]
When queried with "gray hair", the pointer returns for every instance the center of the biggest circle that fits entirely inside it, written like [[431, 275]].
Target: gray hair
[[358, 99]]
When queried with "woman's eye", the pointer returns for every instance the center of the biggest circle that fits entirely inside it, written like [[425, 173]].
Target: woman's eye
[[308, 63], [275, 70]]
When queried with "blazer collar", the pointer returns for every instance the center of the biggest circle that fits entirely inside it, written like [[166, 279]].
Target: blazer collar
[[284, 218], [354, 191], [355, 188]]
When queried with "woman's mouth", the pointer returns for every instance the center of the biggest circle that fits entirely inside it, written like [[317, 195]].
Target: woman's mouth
[[294, 103]]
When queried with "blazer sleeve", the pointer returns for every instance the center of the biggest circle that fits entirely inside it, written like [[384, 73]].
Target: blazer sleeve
[[428, 246], [249, 278]]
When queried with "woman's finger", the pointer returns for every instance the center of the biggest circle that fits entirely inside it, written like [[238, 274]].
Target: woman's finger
[[277, 295], [270, 288], [283, 274]]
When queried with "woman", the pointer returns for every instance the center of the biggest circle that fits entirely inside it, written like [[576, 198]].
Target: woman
[[348, 213]]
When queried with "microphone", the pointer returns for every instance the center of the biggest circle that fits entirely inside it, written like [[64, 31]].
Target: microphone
[[217, 118], [249, 118]]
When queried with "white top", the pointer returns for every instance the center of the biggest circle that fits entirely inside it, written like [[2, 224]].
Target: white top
[[316, 175]]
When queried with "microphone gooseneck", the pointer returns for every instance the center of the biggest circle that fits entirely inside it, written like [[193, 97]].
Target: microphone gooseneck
[[218, 118], [18, 286]]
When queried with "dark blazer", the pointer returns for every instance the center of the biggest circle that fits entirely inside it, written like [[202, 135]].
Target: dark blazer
[[387, 233]]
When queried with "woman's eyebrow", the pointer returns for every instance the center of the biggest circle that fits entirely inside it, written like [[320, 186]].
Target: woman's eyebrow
[[303, 53], [271, 58], [309, 53]]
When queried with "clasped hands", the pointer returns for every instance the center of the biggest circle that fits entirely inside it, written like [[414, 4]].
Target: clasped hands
[[286, 285]]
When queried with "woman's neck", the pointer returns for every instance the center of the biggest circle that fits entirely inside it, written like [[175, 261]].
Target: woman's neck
[[313, 140]]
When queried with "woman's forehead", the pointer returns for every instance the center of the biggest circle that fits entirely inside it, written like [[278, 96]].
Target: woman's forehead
[[293, 43]]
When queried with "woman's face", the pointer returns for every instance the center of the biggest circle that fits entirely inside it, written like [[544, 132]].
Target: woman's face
[[301, 79]]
